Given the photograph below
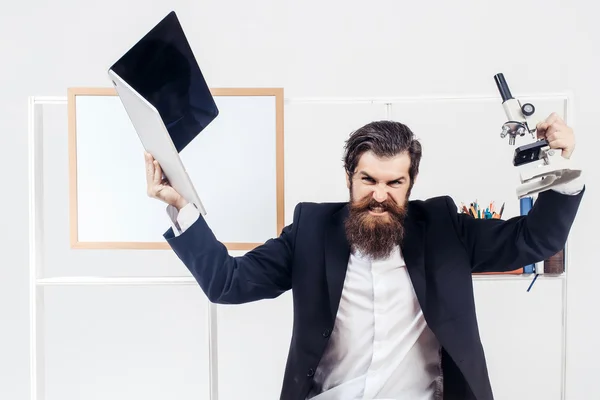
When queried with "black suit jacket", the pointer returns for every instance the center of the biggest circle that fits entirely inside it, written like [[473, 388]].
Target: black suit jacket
[[442, 248]]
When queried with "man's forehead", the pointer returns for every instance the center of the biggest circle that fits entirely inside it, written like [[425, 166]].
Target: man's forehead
[[373, 165]]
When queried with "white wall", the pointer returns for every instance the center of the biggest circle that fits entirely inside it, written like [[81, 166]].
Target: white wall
[[311, 48]]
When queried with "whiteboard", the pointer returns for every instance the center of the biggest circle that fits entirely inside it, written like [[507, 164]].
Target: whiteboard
[[236, 165]]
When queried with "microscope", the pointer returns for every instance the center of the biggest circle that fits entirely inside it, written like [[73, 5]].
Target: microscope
[[540, 167]]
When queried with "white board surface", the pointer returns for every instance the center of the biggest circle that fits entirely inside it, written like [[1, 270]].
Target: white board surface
[[233, 164]]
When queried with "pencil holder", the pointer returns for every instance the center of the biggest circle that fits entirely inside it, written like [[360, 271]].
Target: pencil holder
[[476, 211]]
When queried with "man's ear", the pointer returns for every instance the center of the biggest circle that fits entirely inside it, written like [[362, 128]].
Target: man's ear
[[348, 180]]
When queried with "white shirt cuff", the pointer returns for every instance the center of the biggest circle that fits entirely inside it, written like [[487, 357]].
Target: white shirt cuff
[[181, 220], [572, 188]]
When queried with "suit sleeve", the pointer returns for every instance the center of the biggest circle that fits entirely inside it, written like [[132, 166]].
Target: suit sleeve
[[262, 273], [496, 245]]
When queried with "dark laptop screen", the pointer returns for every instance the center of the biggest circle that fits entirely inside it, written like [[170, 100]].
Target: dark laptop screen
[[162, 68]]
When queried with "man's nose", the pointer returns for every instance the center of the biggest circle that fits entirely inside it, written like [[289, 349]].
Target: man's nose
[[380, 195]]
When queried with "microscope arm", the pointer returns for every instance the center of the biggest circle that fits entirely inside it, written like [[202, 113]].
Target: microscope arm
[[521, 118]]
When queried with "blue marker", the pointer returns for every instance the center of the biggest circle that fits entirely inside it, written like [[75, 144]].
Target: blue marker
[[526, 204]]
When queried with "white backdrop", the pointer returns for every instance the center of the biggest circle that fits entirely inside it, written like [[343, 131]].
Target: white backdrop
[[313, 49]]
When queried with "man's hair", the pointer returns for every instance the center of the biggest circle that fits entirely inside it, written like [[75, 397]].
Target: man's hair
[[385, 139]]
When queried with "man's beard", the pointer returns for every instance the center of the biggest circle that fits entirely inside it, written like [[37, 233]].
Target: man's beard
[[375, 235]]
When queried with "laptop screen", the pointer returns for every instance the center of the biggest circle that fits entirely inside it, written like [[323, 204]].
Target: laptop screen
[[162, 68]]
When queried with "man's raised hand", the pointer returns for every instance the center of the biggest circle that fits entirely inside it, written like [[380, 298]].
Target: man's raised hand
[[158, 187]]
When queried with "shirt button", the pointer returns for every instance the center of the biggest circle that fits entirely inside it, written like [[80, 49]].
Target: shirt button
[[310, 373], [326, 333]]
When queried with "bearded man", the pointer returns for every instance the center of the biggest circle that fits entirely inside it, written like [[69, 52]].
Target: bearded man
[[382, 285]]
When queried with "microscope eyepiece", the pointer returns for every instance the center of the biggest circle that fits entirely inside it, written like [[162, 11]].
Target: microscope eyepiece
[[502, 87]]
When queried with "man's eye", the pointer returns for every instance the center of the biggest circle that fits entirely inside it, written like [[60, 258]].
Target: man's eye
[[369, 180]]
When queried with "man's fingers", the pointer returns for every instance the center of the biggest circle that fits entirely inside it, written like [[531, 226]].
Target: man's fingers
[[552, 131], [150, 174], [557, 144], [551, 125], [157, 173], [558, 134], [552, 118], [543, 125], [541, 129], [149, 168], [157, 187], [551, 137]]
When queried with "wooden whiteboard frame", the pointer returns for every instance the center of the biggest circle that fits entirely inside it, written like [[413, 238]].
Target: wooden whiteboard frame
[[73, 92]]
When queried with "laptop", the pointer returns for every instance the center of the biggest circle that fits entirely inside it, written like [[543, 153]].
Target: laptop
[[166, 98]]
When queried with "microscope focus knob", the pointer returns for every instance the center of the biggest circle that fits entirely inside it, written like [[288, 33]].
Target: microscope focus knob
[[528, 109]]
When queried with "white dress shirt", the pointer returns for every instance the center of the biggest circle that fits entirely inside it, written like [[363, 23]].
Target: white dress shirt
[[182, 219], [381, 347]]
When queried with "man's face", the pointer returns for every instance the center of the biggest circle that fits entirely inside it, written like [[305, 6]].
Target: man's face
[[379, 192]]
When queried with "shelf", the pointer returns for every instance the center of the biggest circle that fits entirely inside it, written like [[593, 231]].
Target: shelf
[[515, 277], [182, 280], [106, 281]]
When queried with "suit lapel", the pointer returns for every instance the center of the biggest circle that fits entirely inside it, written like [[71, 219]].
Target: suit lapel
[[413, 251], [337, 254]]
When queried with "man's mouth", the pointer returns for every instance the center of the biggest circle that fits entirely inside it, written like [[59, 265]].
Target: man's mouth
[[377, 210]]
